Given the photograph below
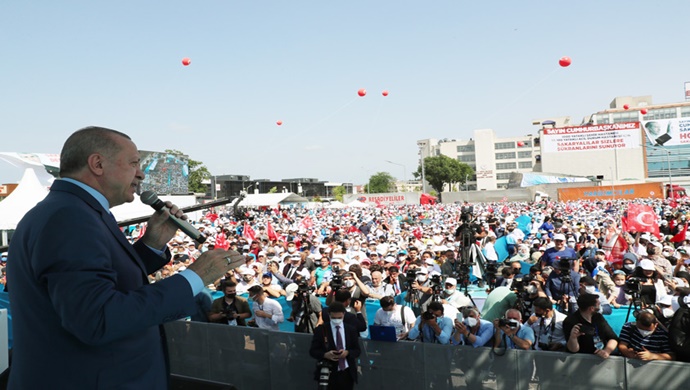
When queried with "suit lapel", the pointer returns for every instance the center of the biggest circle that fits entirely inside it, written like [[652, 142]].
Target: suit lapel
[[110, 221]]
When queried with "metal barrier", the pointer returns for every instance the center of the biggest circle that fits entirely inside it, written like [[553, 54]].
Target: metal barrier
[[250, 358]]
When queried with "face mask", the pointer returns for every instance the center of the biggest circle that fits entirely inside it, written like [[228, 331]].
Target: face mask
[[349, 283], [449, 291], [230, 296], [421, 278], [291, 250], [532, 290], [619, 282], [591, 289], [645, 333], [471, 322], [571, 245], [402, 258], [629, 267], [337, 321], [355, 248], [667, 312]]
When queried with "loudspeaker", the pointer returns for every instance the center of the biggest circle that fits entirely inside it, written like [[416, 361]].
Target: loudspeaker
[[662, 139]]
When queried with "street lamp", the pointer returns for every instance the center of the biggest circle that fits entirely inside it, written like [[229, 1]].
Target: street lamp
[[421, 158], [404, 171]]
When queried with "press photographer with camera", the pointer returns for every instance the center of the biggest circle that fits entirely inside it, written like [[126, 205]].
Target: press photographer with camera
[[229, 309], [306, 307], [587, 329], [359, 292], [353, 314], [547, 325], [452, 296], [510, 333], [432, 326], [472, 330], [559, 251], [420, 290], [563, 285]]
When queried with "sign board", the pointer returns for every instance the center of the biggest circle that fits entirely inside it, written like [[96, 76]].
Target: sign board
[[677, 130], [591, 138], [386, 199]]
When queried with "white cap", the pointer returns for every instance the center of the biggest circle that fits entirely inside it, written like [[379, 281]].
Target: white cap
[[390, 259], [559, 236], [451, 281], [422, 271], [647, 265], [247, 271], [430, 261], [290, 291], [665, 300]]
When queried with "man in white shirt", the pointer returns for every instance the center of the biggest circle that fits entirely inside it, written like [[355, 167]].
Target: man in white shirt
[[267, 312], [547, 325], [452, 296], [398, 316]]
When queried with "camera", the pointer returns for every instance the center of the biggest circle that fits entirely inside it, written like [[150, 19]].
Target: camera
[[410, 276], [588, 330], [427, 316], [563, 265], [336, 279], [323, 373], [632, 285], [303, 287], [436, 285], [229, 312], [511, 323]]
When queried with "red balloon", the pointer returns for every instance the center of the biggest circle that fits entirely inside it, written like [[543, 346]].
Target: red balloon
[[362, 92], [565, 61], [279, 123], [384, 93], [186, 61], [520, 144], [643, 111], [626, 106]]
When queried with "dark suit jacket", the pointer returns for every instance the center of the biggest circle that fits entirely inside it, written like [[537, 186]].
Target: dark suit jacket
[[84, 314], [319, 345]]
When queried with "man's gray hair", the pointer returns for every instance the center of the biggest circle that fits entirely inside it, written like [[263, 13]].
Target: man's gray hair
[[85, 142]]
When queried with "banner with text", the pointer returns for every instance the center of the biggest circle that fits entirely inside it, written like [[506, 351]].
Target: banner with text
[[386, 199], [592, 138], [675, 131]]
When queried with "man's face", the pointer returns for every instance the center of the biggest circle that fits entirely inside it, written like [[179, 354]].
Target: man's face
[[337, 316], [266, 280], [121, 173], [542, 313], [376, 279], [513, 316], [559, 244], [324, 262], [230, 291], [258, 298]]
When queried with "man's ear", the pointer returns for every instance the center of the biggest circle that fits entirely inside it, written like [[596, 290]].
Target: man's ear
[[95, 163]]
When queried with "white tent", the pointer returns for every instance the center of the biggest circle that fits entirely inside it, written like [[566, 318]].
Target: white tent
[[357, 204], [335, 205], [137, 209], [29, 191], [272, 200]]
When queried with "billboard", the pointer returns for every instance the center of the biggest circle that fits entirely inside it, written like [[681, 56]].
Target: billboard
[[687, 90], [676, 131], [394, 198], [591, 138], [628, 191], [166, 173]]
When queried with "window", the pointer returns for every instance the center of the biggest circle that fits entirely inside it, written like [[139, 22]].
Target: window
[[629, 116], [685, 112], [466, 158], [505, 156], [527, 144], [466, 148], [504, 145], [510, 165], [525, 154], [503, 176], [525, 164], [661, 113], [602, 118]]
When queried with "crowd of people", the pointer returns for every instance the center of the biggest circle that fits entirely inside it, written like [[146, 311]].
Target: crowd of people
[[411, 259]]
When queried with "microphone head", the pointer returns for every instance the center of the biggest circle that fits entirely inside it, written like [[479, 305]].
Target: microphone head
[[148, 197]]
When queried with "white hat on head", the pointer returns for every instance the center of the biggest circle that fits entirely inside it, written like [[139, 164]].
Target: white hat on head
[[665, 300], [647, 265], [422, 271], [451, 281], [559, 236]]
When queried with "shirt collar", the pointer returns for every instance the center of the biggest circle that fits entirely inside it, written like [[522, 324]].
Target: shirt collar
[[93, 192]]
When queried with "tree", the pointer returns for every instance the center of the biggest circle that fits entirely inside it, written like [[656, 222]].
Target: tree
[[441, 170], [380, 182], [338, 193], [273, 190], [197, 173]]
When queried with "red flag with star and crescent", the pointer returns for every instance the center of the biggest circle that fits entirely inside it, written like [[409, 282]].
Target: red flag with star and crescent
[[641, 218], [270, 232], [248, 232]]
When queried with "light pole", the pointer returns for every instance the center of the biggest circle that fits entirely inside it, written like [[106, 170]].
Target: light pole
[[404, 172], [421, 159]]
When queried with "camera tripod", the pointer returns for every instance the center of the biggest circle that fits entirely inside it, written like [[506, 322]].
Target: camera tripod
[[306, 314], [636, 302], [564, 300]]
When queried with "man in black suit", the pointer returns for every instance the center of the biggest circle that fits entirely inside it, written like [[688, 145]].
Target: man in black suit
[[337, 342]]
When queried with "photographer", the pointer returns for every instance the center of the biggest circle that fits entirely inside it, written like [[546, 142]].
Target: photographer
[[432, 326], [547, 325], [398, 316], [510, 333], [394, 280], [588, 331], [302, 302], [420, 293], [563, 285], [472, 330], [358, 291], [353, 315], [558, 251], [229, 309], [651, 285]]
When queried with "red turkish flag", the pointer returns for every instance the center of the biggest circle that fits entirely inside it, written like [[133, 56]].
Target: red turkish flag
[[618, 249], [270, 232], [680, 237], [248, 232], [222, 242], [641, 218], [307, 223]]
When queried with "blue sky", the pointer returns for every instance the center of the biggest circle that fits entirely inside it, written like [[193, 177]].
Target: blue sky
[[450, 67]]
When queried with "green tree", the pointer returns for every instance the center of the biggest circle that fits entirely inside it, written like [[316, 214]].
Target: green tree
[[338, 193], [197, 173], [442, 170], [380, 182], [273, 190]]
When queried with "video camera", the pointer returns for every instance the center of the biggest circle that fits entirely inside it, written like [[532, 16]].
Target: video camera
[[632, 285], [337, 279], [304, 288], [491, 272], [436, 285], [410, 276], [563, 265]]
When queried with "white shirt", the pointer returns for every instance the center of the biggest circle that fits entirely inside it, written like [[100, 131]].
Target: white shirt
[[271, 307], [342, 338], [243, 287], [393, 318], [543, 334], [458, 299]]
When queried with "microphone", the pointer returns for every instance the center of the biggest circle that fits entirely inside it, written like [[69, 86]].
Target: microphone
[[150, 198]]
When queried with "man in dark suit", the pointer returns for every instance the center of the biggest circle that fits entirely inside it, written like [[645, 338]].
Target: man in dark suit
[[337, 342], [84, 313]]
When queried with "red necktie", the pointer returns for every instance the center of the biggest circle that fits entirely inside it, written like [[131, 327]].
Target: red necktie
[[339, 345]]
